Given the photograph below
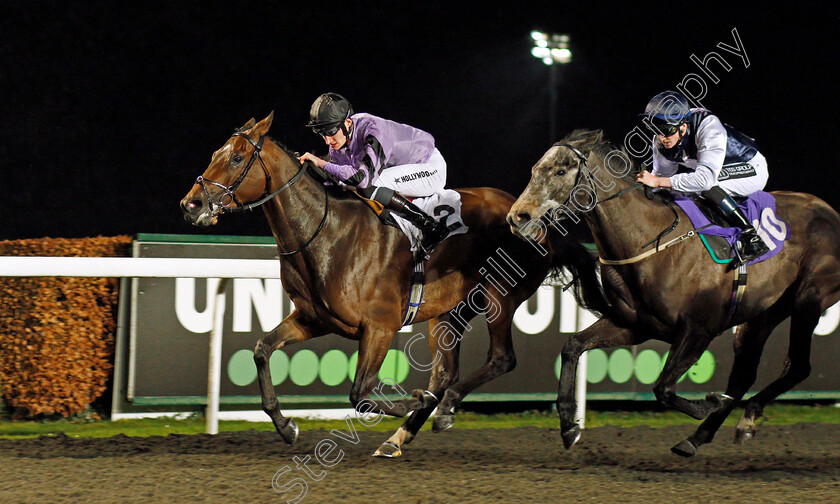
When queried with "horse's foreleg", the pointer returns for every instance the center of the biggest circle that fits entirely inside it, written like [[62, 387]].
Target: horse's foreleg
[[445, 352], [501, 359], [293, 329], [687, 348], [373, 347], [797, 368], [602, 334]]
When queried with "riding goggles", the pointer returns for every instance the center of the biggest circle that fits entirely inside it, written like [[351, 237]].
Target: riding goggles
[[327, 131], [661, 128]]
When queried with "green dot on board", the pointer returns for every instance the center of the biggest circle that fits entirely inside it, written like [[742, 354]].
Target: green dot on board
[[647, 366], [596, 365], [333, 367], [703, 369], [241, 369], [278, 364], [351, 365], [303, 368], [394, 367], [620, 365]]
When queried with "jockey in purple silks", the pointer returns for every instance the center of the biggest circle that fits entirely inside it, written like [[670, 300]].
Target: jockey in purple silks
[[385, 161]]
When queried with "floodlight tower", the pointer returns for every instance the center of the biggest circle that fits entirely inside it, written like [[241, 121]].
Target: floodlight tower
[[553, 50]]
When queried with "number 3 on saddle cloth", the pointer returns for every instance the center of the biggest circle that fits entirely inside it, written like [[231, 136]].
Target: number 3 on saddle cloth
[[759, 208]]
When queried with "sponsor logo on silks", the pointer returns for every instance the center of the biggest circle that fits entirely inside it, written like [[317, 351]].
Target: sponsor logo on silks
[[742, 170], [414, 176]]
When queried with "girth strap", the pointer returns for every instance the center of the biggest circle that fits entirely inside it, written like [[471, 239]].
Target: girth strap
[[415, 295], [739, 286]]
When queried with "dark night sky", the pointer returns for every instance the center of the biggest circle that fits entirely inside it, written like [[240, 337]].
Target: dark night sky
[[110, 112]]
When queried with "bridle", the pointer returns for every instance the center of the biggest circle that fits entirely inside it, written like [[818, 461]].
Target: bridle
[[585, 172], [228, 196]]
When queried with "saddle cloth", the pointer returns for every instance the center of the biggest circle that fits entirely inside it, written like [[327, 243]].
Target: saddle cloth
[[444, 204], [759, 208]]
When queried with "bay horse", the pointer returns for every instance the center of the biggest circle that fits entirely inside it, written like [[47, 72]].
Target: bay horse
[[679, 295], [349, 274]]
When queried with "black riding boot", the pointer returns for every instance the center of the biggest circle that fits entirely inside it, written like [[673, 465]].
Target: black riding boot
[[750, 245], [433, 231]]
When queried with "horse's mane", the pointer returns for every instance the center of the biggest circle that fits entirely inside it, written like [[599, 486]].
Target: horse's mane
[[595, 141], [573, 263], [315, 173]]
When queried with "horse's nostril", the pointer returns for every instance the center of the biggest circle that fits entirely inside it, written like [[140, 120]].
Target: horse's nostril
[[190, 205], [523, 217]]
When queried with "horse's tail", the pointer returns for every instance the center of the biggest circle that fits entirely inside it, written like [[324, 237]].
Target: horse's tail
[[578, 268]]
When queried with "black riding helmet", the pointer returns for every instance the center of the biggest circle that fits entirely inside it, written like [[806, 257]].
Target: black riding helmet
[[328, 113]]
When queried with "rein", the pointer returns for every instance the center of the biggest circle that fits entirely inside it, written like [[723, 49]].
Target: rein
[[229, 197], [585, 172], [652, 251]]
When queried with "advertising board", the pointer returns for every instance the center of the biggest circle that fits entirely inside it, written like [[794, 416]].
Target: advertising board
[[170, 323]]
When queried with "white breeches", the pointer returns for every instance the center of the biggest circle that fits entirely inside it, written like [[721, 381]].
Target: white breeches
[[729, 181], [415, 180]]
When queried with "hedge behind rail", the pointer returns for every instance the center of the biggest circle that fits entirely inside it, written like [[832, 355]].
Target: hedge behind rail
[[57, 334]]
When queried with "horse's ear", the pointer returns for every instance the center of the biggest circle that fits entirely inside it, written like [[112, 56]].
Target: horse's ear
[[248, 125], [595, 136], [262, 127]]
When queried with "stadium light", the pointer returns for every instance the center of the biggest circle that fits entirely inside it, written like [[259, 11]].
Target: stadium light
[[553, 50]]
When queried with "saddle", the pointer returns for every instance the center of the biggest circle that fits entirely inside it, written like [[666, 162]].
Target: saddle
[[718, 247], [379, 209], [758, 208]]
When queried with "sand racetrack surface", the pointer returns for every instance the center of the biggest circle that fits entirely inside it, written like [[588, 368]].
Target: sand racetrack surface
[[799, 463]]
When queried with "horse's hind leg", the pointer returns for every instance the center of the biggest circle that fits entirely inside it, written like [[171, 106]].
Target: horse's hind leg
[[748, 346], [602, 334], [797, 368], [293, 329], [445, 345]]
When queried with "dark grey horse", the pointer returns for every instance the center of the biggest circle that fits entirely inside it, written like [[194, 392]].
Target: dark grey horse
[[678, 295]]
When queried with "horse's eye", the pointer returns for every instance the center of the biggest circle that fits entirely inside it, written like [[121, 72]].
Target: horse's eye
[[560, 173], [237, 158]]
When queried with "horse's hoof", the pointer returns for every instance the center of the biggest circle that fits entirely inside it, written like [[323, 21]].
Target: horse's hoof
[[684, 449], [388, 450], [290, 432], [571, 436], [744, 435], [443, 422]]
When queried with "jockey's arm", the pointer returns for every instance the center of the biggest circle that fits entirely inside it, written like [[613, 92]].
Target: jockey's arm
[[711, 151], [660, 174], [344, 174]]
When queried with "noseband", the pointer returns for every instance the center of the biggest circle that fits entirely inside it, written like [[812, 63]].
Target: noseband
[[228, 196]]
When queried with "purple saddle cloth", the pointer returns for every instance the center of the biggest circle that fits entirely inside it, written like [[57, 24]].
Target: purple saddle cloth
[[760, 209]]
